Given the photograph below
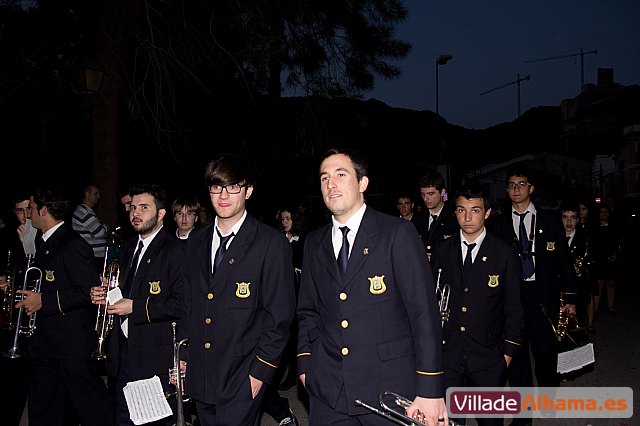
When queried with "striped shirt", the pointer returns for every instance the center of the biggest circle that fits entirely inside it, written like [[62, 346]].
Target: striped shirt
[[86, 223]]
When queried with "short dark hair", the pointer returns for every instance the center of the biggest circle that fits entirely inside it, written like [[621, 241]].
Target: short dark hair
[[156, 191], [519, 170], [432, 179], [569, 206], [359, 163], [474, 189], [228, 169], [55, 199], [405, 194]]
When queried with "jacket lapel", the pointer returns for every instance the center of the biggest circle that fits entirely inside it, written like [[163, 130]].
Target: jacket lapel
[[326, 255], [364, 242], [203, 254]]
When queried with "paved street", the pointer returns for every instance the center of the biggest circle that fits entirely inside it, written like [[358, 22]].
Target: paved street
[[617, 353]]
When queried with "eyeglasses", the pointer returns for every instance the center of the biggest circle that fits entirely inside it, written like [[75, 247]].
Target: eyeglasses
[[522, 184], [187, 214], [231, 189]]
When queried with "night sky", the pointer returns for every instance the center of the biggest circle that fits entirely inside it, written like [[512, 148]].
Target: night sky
[[490, 42]]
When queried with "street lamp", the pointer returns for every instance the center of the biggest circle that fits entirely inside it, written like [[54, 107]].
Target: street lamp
[[442, 60]]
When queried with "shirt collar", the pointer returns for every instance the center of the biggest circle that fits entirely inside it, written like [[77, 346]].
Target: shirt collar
[[236, 226], [478, 241], [353, 223], [46, 235]]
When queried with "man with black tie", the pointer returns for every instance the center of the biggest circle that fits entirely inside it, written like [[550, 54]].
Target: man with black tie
[[141, 342], [539, 239], [60, 370], [577, 243], [485, 328], [239, 301], [441, 220], [368, 318]]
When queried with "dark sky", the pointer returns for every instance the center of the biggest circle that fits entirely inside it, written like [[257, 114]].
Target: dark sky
[[491, 40]]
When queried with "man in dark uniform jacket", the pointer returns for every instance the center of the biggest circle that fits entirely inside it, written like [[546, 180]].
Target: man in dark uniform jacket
[[239, 301], [141, 342], [368, 318], [405, 206], [485, 327], [543, 244], [60, 348], [577, 244], [441, 220]]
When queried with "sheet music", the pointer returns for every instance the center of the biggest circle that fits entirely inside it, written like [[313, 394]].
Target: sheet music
[[146, 401], [575, 359]]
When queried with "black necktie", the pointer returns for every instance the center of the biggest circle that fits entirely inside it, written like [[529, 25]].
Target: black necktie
[[343, 254], [527, 260], [222, 249], [133, 268], [434, 219], [569, 240], [468, 259]]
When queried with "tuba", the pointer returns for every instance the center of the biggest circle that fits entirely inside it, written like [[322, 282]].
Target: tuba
[[9, 294], [104, 321], [29, 328]]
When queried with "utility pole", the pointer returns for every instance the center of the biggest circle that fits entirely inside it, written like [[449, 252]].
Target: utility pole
[[517, 81], [441, 60], [582, 53]]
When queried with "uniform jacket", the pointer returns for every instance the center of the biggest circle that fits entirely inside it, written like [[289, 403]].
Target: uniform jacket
[[579, 250], [444, 228], [552, 266], [157, 302], [237, 320], [486, 318], [65, 323], [421, 222], [378, 329]]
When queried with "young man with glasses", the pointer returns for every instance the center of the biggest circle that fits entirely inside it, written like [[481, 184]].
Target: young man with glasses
[[539, 239], [185, 214], [26, 232], [239, 301]]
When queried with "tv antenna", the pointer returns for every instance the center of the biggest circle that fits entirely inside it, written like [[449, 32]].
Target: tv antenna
[[582, 53], [517, 81]]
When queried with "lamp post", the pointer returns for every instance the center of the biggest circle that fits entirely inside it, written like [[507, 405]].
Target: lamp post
[[441, 60]]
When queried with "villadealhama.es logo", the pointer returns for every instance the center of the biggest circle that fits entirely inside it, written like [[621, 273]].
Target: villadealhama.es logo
[[543, 402]]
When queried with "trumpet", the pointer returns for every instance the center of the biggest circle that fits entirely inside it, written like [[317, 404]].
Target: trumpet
[[30, 327], [104, 321], [9, 294], [442, 294], [395, 410], [175, 374]]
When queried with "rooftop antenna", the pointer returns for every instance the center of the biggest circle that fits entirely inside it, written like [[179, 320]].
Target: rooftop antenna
[[570, 55]]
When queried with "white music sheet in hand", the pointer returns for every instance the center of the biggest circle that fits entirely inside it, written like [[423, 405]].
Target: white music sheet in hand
[[146, 401], [575, 359]]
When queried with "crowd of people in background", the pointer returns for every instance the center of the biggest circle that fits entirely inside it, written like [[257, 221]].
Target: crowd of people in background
[[283, 292]]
